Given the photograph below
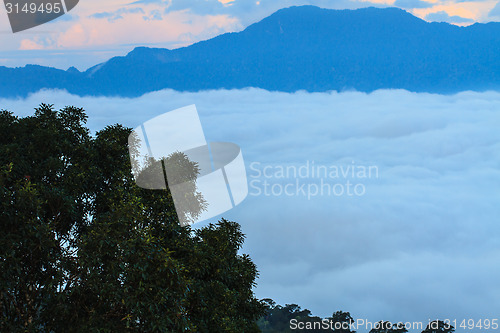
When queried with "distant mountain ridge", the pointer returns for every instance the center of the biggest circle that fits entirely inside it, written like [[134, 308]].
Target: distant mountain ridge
[[296, 48]]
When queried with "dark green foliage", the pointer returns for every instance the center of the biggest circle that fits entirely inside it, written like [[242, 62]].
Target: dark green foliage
[[279, 318], [83, 249], [341, 322]]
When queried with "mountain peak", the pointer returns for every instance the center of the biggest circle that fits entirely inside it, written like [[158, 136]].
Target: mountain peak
[[73, 70]]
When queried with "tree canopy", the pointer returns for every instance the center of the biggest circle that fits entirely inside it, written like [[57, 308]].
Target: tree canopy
[[83, 249]]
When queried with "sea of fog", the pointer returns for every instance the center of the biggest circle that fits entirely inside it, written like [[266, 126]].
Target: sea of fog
[[386, 204]]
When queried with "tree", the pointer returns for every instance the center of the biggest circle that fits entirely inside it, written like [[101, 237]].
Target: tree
[[83, 249], [341, 322], [288, 318]]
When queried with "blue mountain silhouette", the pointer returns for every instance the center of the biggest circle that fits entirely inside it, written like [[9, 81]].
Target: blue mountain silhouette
[[296, 48]]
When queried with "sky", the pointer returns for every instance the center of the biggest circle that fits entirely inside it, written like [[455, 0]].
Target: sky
[[419, 239], [95, 30], [414, 240]]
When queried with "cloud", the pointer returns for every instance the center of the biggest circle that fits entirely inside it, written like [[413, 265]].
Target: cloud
[[421, 243], [68, 17], [118, 14], [443, 16], [472, 1], [408, 4], [202, 7], [36, 43], [495, 11], [144, 26], [154, 15], [27, 44], [147, 2]]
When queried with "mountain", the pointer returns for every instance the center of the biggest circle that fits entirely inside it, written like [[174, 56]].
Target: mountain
[[296, 48]]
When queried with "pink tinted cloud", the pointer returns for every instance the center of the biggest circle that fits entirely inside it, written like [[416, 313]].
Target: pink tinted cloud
[[27, 44], [476, 11], [148, 26]]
